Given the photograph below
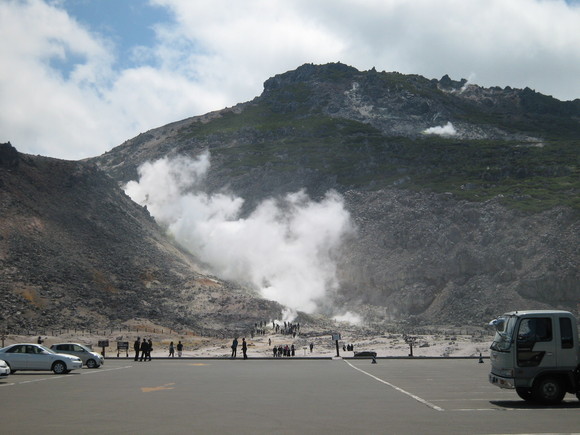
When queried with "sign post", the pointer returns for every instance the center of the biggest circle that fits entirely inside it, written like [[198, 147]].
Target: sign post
[[102, 344], [123, 345], [336, 337]]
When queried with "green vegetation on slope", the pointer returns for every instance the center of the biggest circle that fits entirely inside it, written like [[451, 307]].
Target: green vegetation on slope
[[290, 134]]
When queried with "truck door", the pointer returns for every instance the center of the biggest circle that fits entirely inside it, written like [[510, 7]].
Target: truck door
[[536, 345], [567, 348]]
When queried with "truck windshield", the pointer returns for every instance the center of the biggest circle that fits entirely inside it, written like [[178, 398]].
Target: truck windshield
[[504, 332]]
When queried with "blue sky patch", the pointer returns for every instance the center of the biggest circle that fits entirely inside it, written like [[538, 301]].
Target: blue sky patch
[[127, 24]]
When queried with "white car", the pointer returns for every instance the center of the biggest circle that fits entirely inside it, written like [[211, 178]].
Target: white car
[[89, 358], [4, 369], [29, 356]]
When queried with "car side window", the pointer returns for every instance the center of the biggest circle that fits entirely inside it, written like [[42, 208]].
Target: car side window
[[77, 348], [17, 349]]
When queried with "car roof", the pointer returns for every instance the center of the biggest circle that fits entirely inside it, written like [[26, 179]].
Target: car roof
[[84, 346], [23, 344]]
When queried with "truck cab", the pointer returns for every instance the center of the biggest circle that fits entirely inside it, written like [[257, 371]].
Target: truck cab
[[537, 353]]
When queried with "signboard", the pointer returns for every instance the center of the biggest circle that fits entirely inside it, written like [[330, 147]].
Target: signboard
[[122, 345], [103, 343], [335, 336]]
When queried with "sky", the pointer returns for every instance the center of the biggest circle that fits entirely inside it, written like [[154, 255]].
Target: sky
[[79, 77]]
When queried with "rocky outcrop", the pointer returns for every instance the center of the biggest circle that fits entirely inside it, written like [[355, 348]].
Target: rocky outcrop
[[436, 259], [76, 252], [8, 156]]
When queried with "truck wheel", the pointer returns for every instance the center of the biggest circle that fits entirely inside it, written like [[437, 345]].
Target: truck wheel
[[525, 393], [548, 391]]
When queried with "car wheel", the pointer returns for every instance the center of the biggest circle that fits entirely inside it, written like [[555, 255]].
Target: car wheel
[[525, 393], [59, 368], [548, 391], [92, 364]]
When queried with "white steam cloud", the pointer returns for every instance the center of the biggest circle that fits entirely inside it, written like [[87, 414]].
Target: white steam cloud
[[284, 248], [445, 130], [349, 317]]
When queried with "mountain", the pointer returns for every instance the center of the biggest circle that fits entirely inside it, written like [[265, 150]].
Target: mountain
[[465, 198], [77, 253]]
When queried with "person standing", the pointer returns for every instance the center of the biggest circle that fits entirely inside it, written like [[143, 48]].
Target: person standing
[[311, 347], [143, 349], [234, 347], [149, 349], [179, 349], [244, 348], [137, 347], [171, 350]]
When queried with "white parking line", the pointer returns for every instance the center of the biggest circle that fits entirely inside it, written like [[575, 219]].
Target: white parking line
[[64, 376], [413, 396], [102, 370]]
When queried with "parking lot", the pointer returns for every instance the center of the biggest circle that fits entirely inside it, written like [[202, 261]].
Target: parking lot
[[394, 396]]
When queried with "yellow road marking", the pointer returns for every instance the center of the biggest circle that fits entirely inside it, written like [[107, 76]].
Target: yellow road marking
[[199, 364], [163, 387]]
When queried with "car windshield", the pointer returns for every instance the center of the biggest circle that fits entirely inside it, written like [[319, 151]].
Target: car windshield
[[46, 349], [504, 332]]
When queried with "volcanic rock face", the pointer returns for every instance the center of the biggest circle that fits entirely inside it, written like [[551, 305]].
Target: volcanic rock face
[[452, 228], [430, 257], [76, 252], [8, 155]]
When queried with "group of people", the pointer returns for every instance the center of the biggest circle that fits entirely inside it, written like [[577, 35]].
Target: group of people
[[172, 349], [235, 348], [280, 351], [287, 329], [143, 348]]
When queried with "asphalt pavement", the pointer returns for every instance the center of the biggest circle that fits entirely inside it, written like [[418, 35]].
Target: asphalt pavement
[[284, 396]]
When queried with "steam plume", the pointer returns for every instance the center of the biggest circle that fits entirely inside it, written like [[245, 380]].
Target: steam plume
[[444, 130], [284, 248]]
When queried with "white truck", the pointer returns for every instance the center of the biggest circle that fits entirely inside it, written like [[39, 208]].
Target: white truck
[[536, 353]]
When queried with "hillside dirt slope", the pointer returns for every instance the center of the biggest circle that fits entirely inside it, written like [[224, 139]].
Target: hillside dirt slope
[[76, 252]]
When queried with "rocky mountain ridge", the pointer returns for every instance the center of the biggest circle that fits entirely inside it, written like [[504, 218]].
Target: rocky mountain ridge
[[451, 228]]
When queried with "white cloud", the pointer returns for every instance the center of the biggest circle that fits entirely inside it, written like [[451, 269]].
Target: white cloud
[[444, 130], [285, 248], [219, 53]]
